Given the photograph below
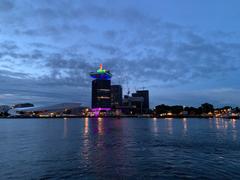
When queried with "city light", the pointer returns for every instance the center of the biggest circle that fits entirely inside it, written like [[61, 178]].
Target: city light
[[101, 74]]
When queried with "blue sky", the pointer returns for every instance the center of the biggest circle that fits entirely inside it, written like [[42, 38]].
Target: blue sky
[[185, 52]]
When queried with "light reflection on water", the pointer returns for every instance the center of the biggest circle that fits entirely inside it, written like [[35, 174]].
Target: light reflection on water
[[234, 129], [86, 145], [185, 126], [218, 123], [126, 148], [234, 121], [169, 125], [65, 128], [85, 126], [155, 126], [100, 126]]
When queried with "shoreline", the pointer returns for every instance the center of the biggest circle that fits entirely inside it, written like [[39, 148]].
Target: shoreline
[[125, 116]]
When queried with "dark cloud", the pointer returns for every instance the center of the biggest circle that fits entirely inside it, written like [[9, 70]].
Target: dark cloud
[[54, 30], [6, 5], [109, 49], [19, 58], [8, 45], [110, 34], [5, 74], [21, 87]]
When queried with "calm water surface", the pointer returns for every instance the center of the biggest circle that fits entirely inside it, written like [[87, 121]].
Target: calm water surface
[[123, 148]]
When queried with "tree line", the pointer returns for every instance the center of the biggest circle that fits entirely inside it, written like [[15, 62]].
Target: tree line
[[205, 108]]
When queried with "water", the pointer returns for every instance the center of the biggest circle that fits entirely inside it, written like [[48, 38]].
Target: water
[[123, 148]]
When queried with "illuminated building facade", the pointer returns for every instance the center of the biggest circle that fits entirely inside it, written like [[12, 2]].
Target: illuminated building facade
[[101, 89]]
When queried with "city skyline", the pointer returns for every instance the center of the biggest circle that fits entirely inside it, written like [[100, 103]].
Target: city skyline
[[49, 48]]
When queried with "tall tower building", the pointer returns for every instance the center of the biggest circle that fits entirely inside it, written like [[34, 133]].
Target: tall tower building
[[101, 88]]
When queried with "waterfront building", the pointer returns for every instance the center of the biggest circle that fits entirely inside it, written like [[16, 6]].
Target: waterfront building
[[132, 105], [101, 89], [4, 109], [116, 96], [56, 110], [138, 103], [24, 105], [145, 104]]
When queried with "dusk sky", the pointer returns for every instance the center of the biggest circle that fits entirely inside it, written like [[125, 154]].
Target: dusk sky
[[183, 51]]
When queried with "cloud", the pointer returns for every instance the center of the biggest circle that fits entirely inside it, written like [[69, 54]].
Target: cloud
[[53, 45], [24, 88], [108, 49], [110, 34], [5, 74], [6, 6], [8, 45]]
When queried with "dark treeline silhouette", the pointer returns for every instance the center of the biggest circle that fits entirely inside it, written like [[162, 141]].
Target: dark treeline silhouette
[[205, 108]]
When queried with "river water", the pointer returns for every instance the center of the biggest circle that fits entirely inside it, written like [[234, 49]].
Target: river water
[[128, 148]]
